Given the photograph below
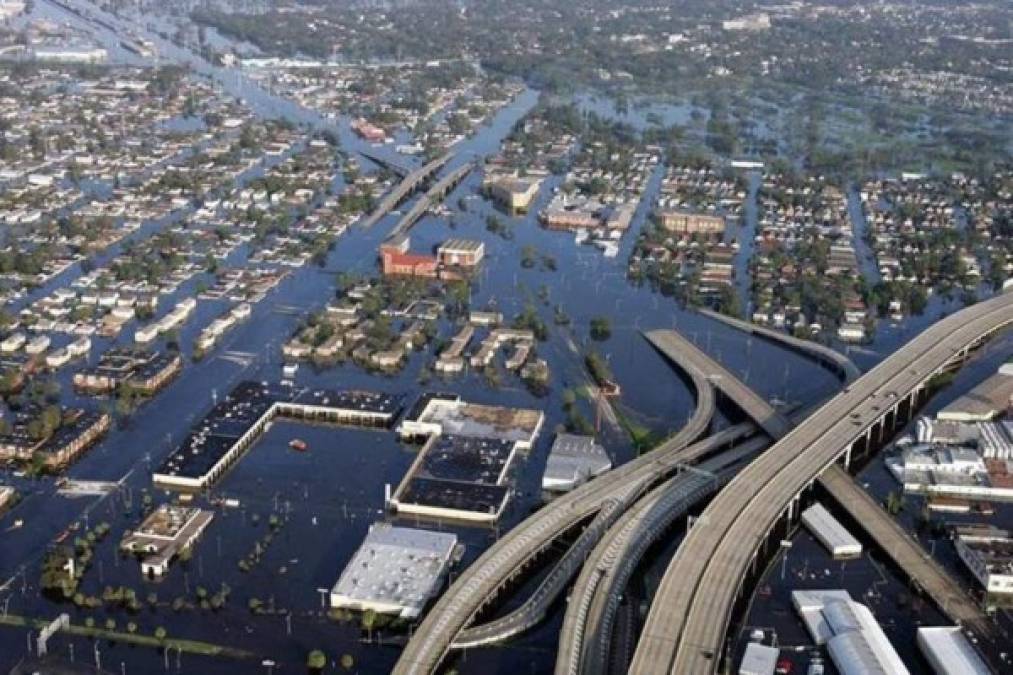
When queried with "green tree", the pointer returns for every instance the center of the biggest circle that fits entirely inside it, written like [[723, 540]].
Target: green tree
[[316, 660]]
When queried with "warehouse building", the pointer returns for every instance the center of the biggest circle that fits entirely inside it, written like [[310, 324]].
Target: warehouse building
[[949, 652], [572, 461], [834, 537], [396, 570], [855, 640]]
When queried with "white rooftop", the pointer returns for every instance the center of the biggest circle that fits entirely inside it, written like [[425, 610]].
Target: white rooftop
[[854, 638], [395, 570], [572, 460]]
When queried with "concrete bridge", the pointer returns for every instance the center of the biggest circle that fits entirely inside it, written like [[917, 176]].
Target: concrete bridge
[[404, 189], [687, 625]]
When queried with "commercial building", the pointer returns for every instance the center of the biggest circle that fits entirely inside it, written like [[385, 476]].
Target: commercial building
[[949, 652], [167, 532], [985, 402], [463, 469], [572, 461], [683, 222], [988, 553], [436, 413], [854, 638], [831, 533], [459, 478], [515, 194], [236, 422], [460, 252], [396, 570]]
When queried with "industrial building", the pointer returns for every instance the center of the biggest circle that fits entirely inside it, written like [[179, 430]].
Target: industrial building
[[235, 424], [396, 570], [983, 403], [459, 478], [448, 414], [854, 638], [167, 532], [572, 461], [988, 553], [948, 471], [834, 537], [949, 652]]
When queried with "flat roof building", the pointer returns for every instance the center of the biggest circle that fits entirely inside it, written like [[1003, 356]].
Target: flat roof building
[[949, 652], [458, 477], [448, 414], [830, 532], [236, 422], [396, 570], [167, 532], [572, 461], [460, 252], [985, 402], [759, 659], [855, 640], [988, 554]]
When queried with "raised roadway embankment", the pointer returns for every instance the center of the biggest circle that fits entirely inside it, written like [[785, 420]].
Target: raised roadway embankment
[[686, 626]]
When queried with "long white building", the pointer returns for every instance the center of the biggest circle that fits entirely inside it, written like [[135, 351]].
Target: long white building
[[855, 640]]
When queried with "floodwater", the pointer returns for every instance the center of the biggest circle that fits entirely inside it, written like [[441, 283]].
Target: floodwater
[[327, 497]]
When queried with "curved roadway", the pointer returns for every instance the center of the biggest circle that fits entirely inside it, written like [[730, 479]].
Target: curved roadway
[[588, 624], [689, 617], [513, 551], [848, 371]]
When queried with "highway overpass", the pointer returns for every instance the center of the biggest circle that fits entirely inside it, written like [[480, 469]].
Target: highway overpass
[[404, 189], [445, 625], [678, 349], [434, 195], [692, 610]]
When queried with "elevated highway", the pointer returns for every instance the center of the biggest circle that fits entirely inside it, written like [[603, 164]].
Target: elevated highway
[[478, 585], [534, 609], [586, 636], [905, 551], [409, 184], [689, 618], [434, 195], [837, 361], [679, 350]]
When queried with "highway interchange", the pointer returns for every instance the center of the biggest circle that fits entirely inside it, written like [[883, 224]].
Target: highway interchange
[[692, 610]]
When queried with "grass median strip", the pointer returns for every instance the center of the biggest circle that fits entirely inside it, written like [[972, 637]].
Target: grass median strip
[[185, 646]]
